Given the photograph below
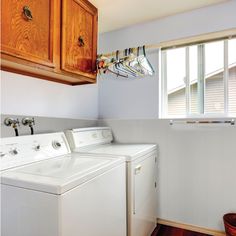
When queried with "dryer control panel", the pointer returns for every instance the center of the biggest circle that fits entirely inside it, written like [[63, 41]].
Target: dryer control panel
[[21, 150], [81, 138]]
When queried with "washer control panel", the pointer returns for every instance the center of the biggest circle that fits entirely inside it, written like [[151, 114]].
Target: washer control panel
[[21, 150]]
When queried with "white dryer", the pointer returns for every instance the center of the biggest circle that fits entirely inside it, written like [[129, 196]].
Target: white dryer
[[47, 191], [141, 173]]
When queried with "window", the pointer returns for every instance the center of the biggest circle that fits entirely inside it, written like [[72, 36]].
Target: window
[[199, 80]]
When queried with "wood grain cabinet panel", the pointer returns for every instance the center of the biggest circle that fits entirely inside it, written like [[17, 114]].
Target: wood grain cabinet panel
[[50, 39], [27, 30], [79, 37]]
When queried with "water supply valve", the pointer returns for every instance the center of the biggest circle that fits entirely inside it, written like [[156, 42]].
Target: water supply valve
[[14, 123], [30, 122]]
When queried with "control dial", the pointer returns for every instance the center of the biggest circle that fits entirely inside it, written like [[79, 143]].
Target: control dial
[[56, 144], [106, 134], [14, 152], [2, 154], [37, 147]]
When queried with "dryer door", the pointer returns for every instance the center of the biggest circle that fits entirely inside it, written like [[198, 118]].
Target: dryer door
[[144, 197]]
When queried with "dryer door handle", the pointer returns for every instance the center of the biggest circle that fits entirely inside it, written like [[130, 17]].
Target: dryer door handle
[[137, 169]]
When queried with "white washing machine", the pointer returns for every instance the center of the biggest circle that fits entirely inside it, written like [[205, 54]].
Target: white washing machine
[[141, 172], [47, 191]]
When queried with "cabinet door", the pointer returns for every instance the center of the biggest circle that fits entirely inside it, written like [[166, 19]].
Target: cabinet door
[[27, 30], [79, 37]]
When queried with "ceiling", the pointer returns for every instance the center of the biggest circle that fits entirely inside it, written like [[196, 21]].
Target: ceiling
[[122, 13]]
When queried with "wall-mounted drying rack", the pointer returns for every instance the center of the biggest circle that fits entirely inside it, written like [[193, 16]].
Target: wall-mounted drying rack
[[230, 122], [126, 63], [203, 38]]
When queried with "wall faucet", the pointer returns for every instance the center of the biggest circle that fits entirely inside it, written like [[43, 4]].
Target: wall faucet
[[14, 123], [30, 122]]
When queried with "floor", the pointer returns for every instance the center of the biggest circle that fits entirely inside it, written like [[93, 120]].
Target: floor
[[162, 230]]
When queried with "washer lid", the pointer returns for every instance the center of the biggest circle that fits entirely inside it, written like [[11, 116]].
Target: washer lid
[[130, 151], [59, 175]]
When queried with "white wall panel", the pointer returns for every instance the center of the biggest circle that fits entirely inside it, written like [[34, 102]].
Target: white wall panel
[[196, 168], [22, 95]]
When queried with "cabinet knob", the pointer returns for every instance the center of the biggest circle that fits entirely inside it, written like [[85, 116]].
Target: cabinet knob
[[81, 41], [27, 13]]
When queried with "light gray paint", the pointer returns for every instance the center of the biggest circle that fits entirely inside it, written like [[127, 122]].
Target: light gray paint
[[45, 125], [26, 95], [196, 168], [118, 98], [121, 97]]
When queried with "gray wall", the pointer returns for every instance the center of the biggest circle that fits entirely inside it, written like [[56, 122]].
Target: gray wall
[[45, 125], [196, 168], [129, 98]]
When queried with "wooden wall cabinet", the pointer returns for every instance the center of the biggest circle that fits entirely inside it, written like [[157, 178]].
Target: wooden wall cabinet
[[41, 40]]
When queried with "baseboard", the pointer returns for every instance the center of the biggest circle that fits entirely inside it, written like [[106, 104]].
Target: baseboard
[[190, 227]]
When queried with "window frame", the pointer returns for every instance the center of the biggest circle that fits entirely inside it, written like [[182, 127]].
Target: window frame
[[163, 96]]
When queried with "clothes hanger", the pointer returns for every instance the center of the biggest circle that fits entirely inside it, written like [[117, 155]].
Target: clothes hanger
[[115, 67], [134, 63], [130, 65], [120, 67], [145, 64], [126, 63]]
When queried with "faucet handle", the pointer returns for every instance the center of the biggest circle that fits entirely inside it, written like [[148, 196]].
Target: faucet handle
[[16, 123], [11, 121], [28, 121]]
